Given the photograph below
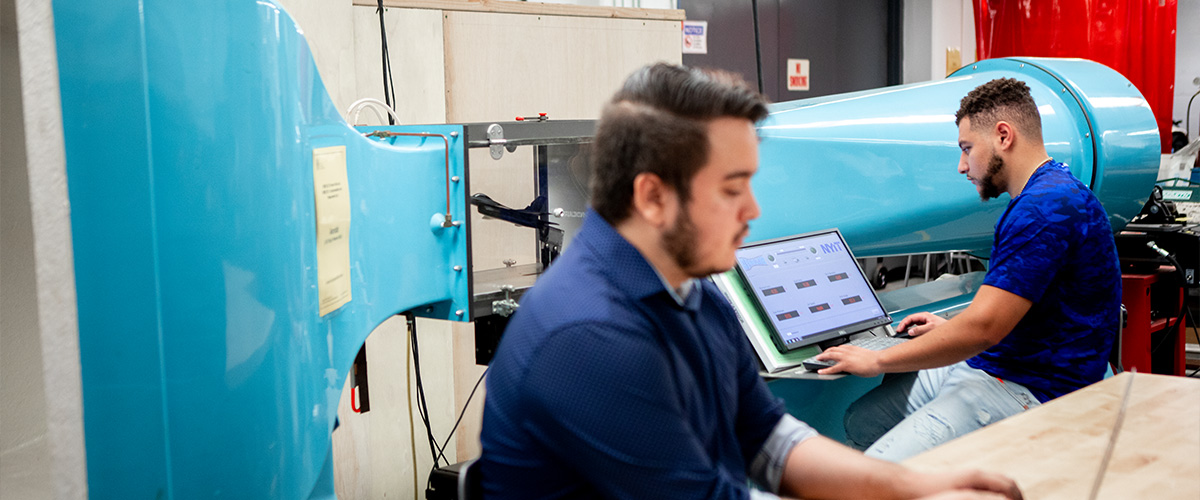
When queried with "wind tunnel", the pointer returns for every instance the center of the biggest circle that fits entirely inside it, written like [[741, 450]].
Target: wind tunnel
[[881, 165]]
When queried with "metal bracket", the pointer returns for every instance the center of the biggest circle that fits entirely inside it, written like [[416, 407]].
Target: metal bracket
[[496, 141]]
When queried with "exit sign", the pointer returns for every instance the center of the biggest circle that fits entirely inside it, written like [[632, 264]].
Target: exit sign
[[797, 74]]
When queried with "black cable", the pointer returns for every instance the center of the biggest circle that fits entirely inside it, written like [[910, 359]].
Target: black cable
[[1196, 333], [757, 46], [464, 408], [422, 406], [388, 82], [1182, 307], [1187, 117]]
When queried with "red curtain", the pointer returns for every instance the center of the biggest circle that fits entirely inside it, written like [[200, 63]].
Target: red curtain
[[1134, 37]]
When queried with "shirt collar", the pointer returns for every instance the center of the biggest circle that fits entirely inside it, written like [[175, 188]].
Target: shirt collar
[[628, 267]]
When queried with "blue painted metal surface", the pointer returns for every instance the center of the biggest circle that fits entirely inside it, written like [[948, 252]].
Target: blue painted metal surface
[[189, 131], [881, 164]]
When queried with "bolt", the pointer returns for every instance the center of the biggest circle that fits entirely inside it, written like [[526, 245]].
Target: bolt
[[458, 268], [454, 179], [458, 312]]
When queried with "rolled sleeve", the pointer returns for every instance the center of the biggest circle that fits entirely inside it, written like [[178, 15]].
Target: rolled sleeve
[[766, 469]]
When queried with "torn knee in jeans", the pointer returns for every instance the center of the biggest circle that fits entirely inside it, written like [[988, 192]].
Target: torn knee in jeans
[[982, 417], [933, 429]]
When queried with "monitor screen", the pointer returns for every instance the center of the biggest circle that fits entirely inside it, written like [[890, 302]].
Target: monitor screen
[[809, 288]]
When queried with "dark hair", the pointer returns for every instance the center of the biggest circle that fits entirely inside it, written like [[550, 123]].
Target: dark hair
[[657, 123], [1004, 99]]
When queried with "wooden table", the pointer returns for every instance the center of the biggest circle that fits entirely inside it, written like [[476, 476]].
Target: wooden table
[[1054, 451]]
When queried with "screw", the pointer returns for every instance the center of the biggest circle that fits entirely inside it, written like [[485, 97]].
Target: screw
[[454, 179], [458, 312], [458, 268]]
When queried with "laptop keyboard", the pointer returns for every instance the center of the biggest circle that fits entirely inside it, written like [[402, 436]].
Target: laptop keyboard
[[876, 343], [870, 343]]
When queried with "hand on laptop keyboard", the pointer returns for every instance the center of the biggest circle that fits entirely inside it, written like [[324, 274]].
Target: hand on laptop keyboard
[[857, 365], [919, 323]]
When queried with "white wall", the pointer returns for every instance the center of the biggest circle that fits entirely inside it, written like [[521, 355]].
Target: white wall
[[930, 28], [41, 418], [1187, 63]]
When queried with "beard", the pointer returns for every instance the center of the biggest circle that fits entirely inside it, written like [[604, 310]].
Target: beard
[[988, 188], [680, 242]]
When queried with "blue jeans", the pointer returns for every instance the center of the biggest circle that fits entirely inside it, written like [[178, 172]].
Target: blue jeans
[[912, 412]]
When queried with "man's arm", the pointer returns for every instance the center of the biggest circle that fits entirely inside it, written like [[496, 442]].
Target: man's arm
[[822, 468], [989, 318]]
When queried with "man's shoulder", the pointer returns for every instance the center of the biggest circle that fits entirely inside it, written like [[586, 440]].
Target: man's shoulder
[[1056, 196], [1056, 185]]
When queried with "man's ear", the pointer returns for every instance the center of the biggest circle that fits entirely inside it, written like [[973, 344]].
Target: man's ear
[[653, 200], [1006, 135]]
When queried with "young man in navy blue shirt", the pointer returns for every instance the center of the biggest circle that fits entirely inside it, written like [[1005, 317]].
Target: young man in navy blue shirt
[[1041, 325], [624, 374]]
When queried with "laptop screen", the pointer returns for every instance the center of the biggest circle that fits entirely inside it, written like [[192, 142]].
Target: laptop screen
[[809, 288]]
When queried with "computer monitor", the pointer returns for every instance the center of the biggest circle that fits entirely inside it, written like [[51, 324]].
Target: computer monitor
[[809, 288]]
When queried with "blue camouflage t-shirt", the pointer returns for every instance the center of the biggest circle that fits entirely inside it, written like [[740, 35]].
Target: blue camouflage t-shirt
[[1054, 246]]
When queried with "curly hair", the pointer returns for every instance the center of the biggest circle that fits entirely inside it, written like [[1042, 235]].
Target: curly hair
[[657, 123], [1002, 99]]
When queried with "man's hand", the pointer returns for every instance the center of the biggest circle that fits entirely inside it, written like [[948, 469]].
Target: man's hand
[[944, 486], [919, 323], [851, 359], [822, 468], [965, 495]]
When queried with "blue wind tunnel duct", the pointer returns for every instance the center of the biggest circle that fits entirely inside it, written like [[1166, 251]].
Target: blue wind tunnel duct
[[881, 165]]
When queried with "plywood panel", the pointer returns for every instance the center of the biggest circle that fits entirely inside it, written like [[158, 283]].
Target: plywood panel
[[415, 44], [553, 9], [466, 374], [384, 453], [499, 66], [328, 25]]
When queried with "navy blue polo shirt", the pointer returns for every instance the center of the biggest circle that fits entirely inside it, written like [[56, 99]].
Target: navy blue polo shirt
[[1054, 246], [604, 386]]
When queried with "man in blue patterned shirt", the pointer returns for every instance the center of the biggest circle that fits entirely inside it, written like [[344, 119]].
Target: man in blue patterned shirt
[[1041, 325], [624, 375]]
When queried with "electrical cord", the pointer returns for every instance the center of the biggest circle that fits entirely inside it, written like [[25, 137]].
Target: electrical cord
[[1187, 116], [758, 45], [389, 84], [422, 406], [1197, 334], [464, 409], [1184, 311]]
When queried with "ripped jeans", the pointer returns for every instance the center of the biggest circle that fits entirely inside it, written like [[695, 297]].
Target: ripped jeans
[[912, 412]]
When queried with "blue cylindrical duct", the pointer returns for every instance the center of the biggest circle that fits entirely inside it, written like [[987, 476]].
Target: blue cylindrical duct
[[881, 165]]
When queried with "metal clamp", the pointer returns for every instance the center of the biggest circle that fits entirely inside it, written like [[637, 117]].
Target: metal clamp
[[507, 306]]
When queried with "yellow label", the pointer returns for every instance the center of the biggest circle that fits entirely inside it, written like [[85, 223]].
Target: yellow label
[[333, 227]]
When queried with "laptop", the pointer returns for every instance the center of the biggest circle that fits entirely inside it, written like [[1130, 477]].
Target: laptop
[[808, 290]]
